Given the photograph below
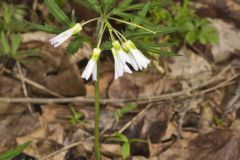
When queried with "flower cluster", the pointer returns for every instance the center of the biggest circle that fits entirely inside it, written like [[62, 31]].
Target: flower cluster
[[125, 55]]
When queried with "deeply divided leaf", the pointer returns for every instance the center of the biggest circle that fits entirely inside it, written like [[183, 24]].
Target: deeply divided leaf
[[75, 45], [57, 12], [45, 28], [9, 155], [91, 4], [141, 15], [107, 5]]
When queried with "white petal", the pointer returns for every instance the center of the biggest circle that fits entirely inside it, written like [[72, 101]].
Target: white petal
[[118, 67], [62, 37], [133, 62], [89, 69], [143, 57], [141, 60], [124, 57], [94, 73]]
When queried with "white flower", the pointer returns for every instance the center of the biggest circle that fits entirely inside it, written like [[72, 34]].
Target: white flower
[[139, 61], [123, 56], [62, 37], [91, 67], [119, 65]]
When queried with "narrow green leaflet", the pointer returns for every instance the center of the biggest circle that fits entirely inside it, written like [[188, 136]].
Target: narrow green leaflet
[[75, 45], [153, 48], [141, 5], [125, 150], [126, 15], [122, 137], [107, 45], [114, 139], [91, 4], [107, 5], [10, 154], [126, 109], [167, 53], [141, 15], [125, 3], [155, 45], [45, 28], [16, 41], [57, 12], [4, 43], [125, 6], [158, 30], [121, 6], [85, 4], [7, 12]]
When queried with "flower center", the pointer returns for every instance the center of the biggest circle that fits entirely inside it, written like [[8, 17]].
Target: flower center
[[130, 45], [77, 28], [95, 54], [116, 45]]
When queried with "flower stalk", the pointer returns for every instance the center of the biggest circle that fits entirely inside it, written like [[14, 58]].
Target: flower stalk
[[97, 99], [97, 116], [125, 54]]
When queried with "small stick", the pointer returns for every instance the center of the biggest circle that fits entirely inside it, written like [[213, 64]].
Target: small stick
[[24, 87], [64, 149], [32, 83], [134, 119]]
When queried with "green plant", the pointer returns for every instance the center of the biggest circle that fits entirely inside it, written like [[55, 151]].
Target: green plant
[[126, 143], [76, 117], [126, 44], [12, 17], [194, 29], [10, 154], [11, 24], [126, 109], [218, 122]]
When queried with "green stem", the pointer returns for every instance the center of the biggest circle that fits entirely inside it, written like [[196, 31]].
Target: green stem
[[117, 33], [89, 21], [97, 100], [109, 29], [97, 116], [133, 24], [120, 34]]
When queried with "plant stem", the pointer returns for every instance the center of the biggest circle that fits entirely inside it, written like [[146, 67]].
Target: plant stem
[[133, 24], [89, 21], [97, 100], [97, 116]]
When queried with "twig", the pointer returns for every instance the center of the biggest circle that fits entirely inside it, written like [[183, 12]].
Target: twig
[[45, 100], [24, 86], [32, 83], [140, 100], [64, 149], [134, 119]]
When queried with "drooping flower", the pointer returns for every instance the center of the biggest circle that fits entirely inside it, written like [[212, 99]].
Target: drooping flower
[[62, 37], [139, 61], [123, 57], [120, 59], [91, 68]]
